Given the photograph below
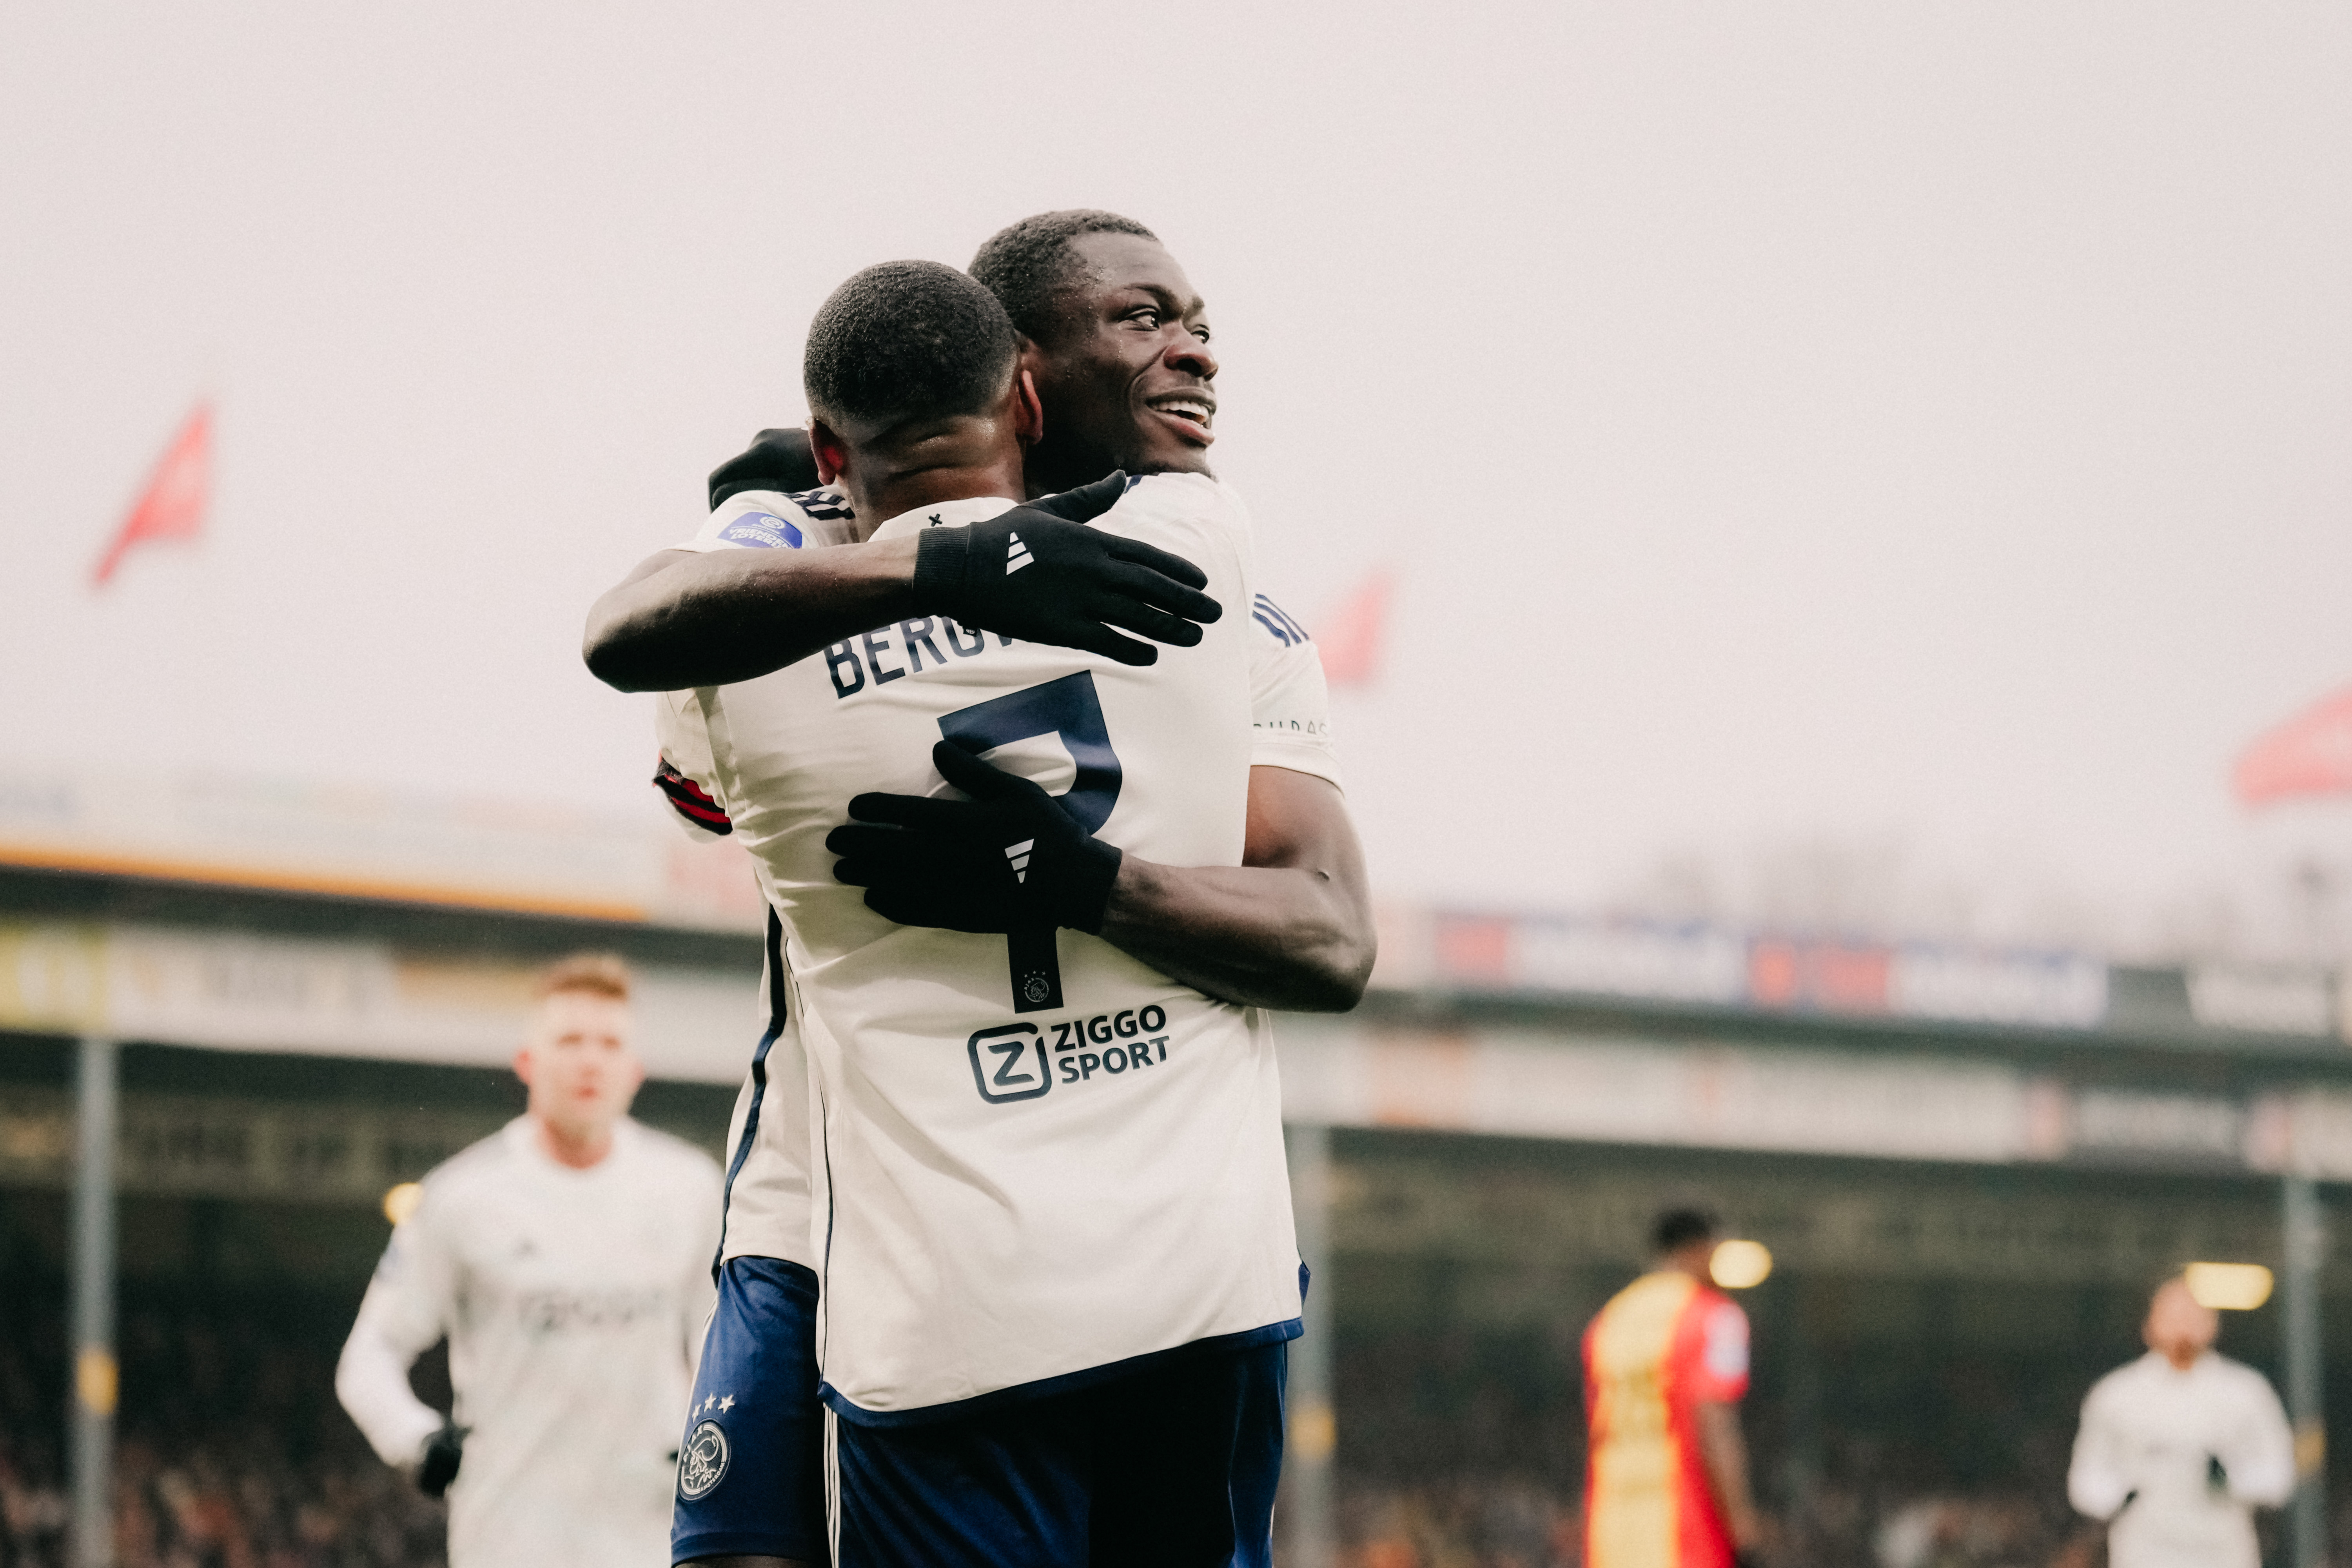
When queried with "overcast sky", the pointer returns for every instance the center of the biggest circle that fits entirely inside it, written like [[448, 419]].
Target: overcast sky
[[1910, 440]]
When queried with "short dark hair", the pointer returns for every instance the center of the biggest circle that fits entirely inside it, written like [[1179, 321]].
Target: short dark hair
[[907, 339], [1028, 265], [1677, 1228]]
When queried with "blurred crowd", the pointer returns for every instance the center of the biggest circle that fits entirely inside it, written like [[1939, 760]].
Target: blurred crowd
[[231, 1450], [1519, 1524], [1463, 1451], [1473, 1523], [233, 1453]]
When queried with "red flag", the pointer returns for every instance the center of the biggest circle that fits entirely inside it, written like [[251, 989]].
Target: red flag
[[1349, 641], [2311, 754], [173, 506]]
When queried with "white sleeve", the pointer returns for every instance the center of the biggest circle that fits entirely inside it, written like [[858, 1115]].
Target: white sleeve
[[1206, 522], [2095, 1482], [408, 1306], [748, 519], [2259, 1453], [770, 520], [699, 1295], [768, 1210], [685, 771], [1290, 707]]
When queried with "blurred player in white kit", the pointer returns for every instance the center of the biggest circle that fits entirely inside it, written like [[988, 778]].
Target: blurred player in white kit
[[566, 1259], [2178, 1449]]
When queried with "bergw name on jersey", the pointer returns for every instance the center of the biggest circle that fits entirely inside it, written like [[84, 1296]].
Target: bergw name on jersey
[[1002, 1193]]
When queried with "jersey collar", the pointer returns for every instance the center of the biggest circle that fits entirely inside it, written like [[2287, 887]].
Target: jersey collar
[[944, 514], [522, 1133]]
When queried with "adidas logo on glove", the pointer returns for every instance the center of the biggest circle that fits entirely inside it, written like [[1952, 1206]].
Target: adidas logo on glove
[[1016, 554]]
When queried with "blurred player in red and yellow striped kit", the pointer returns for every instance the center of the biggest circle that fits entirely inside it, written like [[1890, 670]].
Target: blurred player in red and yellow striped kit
[[1665, 1365]]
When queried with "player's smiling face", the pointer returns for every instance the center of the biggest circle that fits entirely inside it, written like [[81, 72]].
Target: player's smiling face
[[1126, 381]]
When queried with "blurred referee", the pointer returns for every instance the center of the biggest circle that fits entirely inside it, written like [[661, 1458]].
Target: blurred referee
[[567, 1260]]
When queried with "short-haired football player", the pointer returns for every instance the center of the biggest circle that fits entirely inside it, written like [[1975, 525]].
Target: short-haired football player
[[2177, 1449], [1113, 328], [1665, 1365], [566, 1260], [1054, 1234]]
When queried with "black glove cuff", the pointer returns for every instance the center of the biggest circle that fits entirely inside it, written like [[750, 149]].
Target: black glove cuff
[[444, 1451], [941, 557], [1089, 889]]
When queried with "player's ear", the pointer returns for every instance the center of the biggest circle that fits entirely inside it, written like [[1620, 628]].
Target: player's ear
[[1028, 410], [831, 452], [1031, 359], [522, 1065]]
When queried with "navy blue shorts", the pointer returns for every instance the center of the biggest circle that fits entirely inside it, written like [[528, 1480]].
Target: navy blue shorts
[[1170, 1466], [751, 1478]]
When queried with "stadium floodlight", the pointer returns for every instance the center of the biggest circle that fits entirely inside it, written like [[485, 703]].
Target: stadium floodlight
[[2228, 1287], [400, 1202], [1738, 1265]]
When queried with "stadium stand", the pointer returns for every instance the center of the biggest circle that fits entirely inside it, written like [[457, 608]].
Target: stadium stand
[[231, 1451], [1967, 1166]]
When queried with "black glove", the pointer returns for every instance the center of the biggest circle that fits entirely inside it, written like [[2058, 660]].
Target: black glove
[[1008, 859], [443, 1451], [776, 461], [1746, 1557], [1038, 573]]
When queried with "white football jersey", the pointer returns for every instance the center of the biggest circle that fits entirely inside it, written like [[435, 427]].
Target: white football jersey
[[772, 520], [767, 1178], [1020, 1177], [2152, 1433], [765, 1202], [574, 1302]]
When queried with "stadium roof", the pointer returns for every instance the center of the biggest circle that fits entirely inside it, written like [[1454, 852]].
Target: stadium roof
[[131, 861]]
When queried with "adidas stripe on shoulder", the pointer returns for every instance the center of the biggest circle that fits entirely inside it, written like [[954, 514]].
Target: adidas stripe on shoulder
[[1277, 621]]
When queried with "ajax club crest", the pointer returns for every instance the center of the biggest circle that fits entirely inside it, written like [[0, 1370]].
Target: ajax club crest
[[702, 1463]]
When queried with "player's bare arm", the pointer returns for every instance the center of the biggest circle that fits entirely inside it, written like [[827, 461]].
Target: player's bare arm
[[1291, 927], [685, 618], [1723, 1450]]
